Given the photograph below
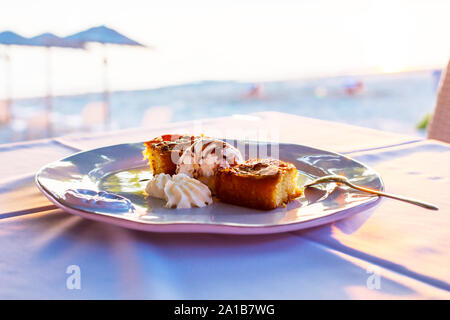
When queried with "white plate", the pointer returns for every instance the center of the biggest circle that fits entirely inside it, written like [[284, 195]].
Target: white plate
[[117, 170]]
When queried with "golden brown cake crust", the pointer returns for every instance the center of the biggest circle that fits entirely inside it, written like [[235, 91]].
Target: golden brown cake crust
[[159, 151], [258, 183], [261, 168]]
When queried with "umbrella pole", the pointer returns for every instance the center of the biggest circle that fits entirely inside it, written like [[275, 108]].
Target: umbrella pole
[[48, 99], [106, 95], [8, 89]]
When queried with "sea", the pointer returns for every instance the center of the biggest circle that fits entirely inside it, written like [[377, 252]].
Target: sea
[[394, 102]]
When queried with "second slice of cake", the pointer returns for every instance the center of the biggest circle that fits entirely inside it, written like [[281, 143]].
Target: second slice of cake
[[258, 183]]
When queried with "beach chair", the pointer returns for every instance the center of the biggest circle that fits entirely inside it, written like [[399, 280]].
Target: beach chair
[[94, 115], [439, 127], [156, 115], [37, 126], [4, 112]]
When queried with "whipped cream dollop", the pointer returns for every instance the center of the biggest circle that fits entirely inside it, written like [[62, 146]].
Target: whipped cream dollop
[[180, 191], [155, 187], [205, 156]]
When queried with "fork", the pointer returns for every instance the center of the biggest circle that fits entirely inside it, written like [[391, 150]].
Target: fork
[[344, 180]]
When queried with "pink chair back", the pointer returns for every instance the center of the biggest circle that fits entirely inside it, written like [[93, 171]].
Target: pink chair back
[[439, 127]]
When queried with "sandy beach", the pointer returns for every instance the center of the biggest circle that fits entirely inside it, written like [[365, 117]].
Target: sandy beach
[[393, 102]]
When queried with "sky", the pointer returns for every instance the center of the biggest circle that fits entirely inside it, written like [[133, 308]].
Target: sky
[[244, 40]]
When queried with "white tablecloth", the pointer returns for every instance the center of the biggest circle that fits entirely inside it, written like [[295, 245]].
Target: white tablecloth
[[395, 250]]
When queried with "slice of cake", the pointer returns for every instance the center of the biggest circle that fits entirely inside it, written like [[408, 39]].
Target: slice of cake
[[258, 183], [164, 151]]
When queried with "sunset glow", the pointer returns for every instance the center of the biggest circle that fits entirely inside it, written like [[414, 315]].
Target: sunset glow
[[236, 40]]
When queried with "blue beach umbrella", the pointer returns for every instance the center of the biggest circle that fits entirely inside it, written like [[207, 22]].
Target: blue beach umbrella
[[12, 38], [47, 40], [104, 36], [51, 40], [9, 38]]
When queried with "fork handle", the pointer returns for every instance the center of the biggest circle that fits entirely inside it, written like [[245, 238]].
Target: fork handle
[[394, 196]]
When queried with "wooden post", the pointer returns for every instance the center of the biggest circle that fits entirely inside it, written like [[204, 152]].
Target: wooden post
[[48, 98], [439, 127], [8, 88], [106, 94]]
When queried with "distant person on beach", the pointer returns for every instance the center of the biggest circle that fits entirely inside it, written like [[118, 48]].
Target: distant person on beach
[[353, 87], [255, 92]]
